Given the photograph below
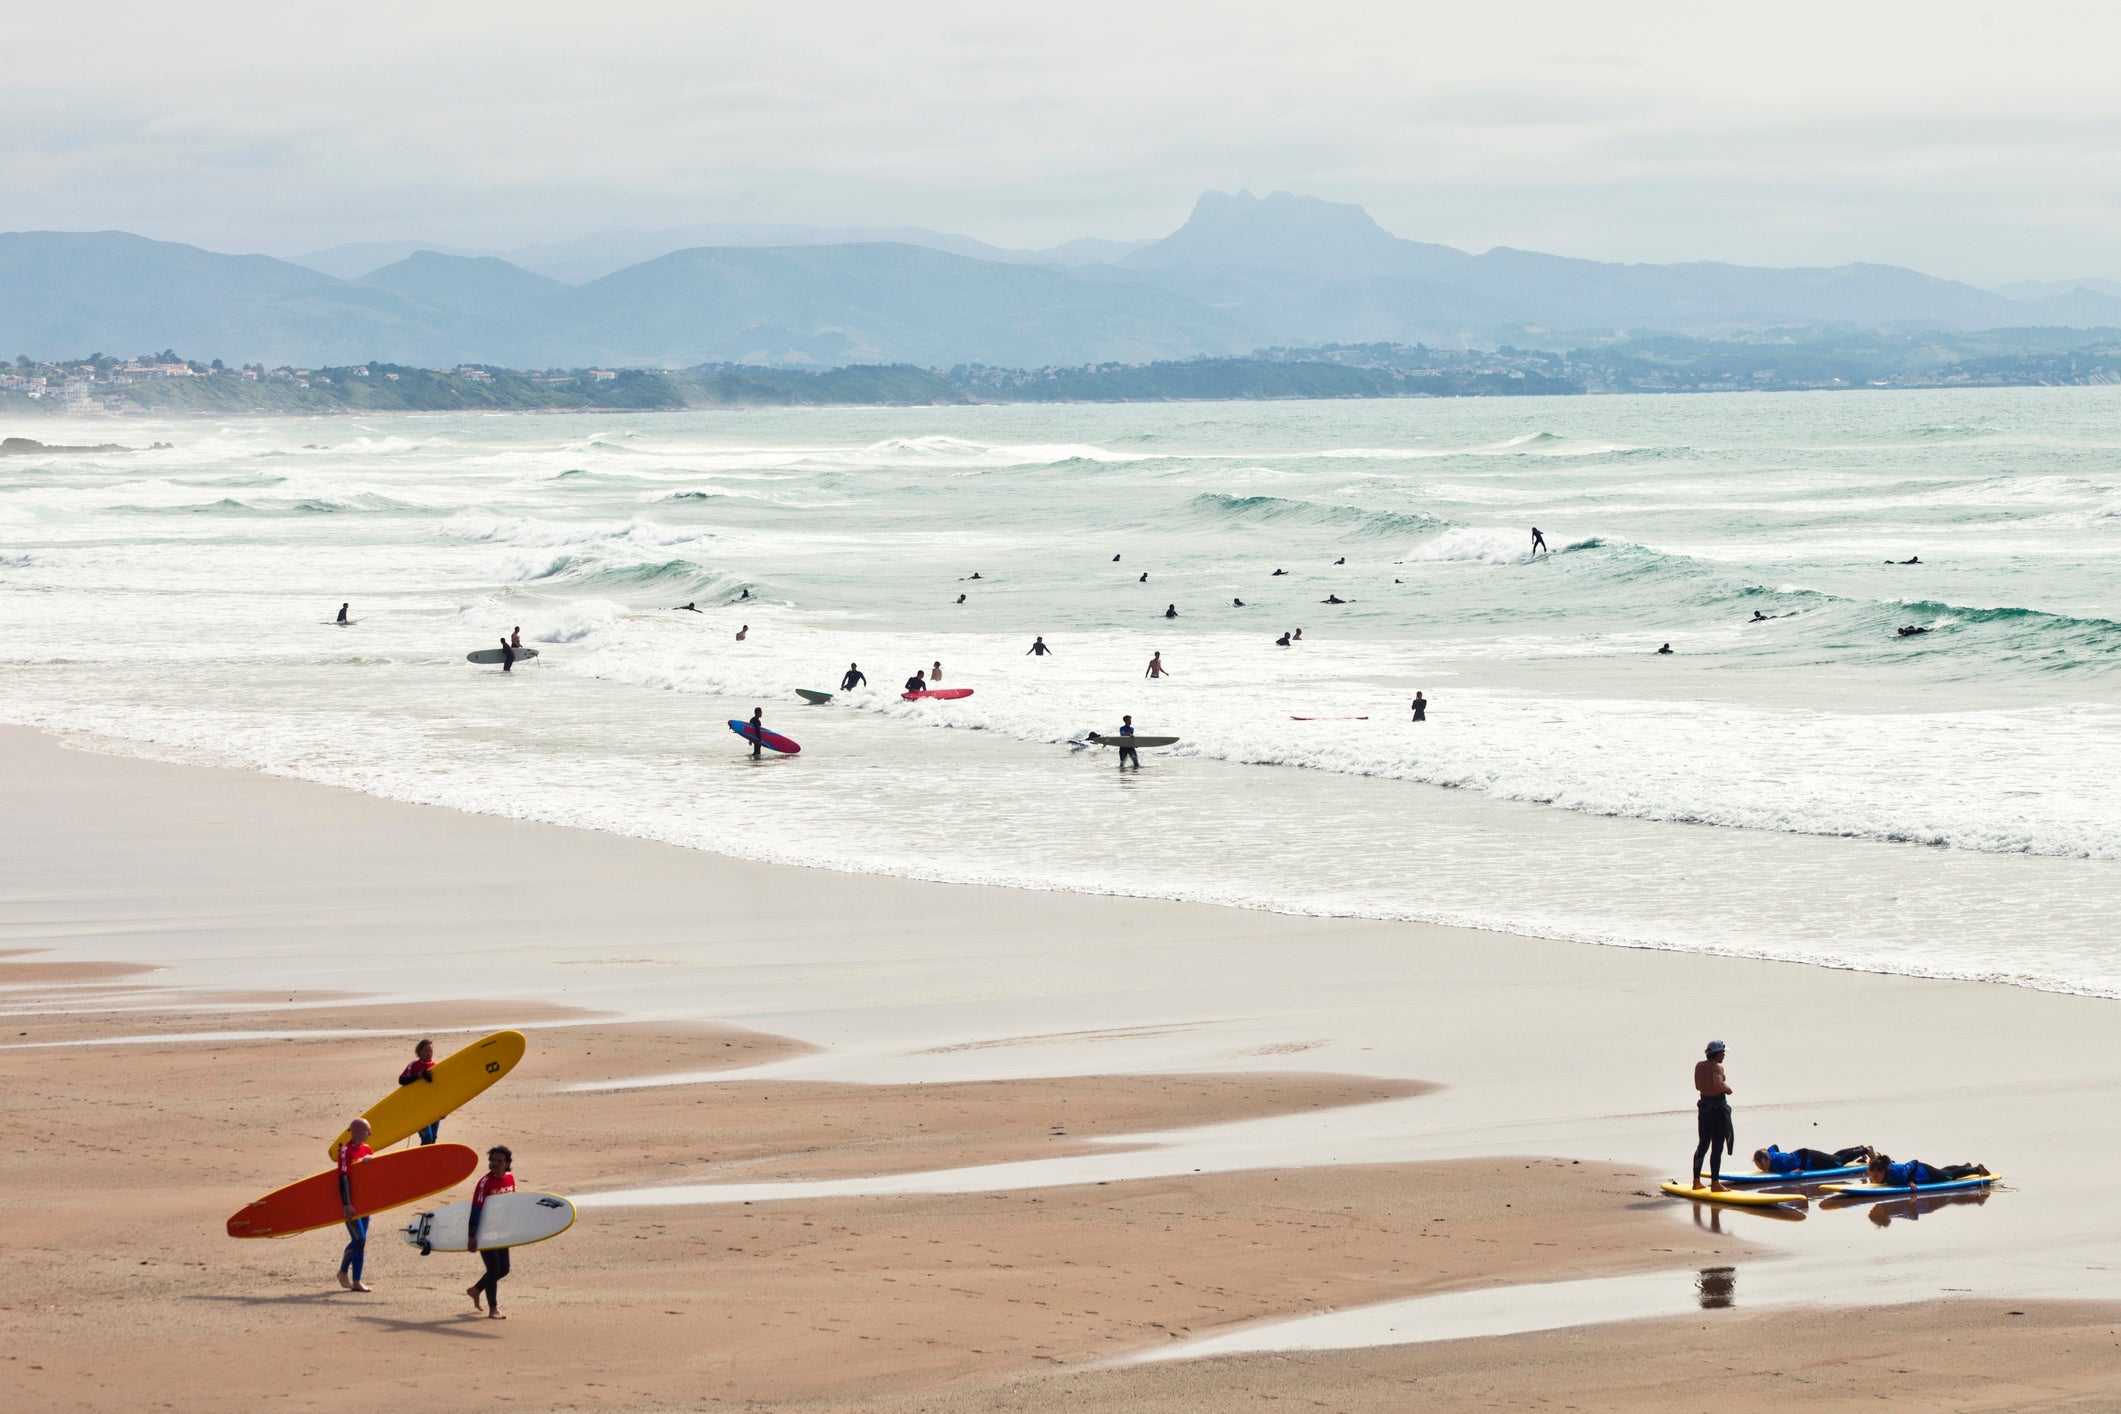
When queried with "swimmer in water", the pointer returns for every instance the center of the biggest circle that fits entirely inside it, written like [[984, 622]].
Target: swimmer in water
[[515, 637], [692, 608], [1156, 667], [1332, 599], [1282, 642], [743, 632], [1170, 611], [1237, 603], [1666, 649], [1760, 618], [1038, 648], [1296, 635], [853, 678], [935, 674]]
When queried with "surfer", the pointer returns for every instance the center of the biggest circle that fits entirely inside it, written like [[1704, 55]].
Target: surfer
[[758, 732], [1910, 630], [1421, 708], [692, 608], [1539, 542], [1156, 667], [745, 595], [1884, 1171], [853, 678], [355, 1151], [1283, 641], [975, 574], [498, 1178], [1760, 618], [1296, 635], [1666, 649], [1115, 559], [1332, 599], [1237, 603], [1774, 1160], [1170, 611], [1910, 560], [508, 656], [1712, 1116], [1038, 648], [935, 674], [916, 683], [422, 1068], [1126, 744], [1342, 560], [743, 632], [1144, 579], [1277, 572], [342, 612], [960, 598]]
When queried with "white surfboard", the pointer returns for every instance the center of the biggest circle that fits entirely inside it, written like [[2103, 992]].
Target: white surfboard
[[493, 655], [509, 1220]]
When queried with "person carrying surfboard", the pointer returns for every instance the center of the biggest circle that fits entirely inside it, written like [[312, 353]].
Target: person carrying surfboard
[[356, 1255], [1126, 745], [422, 1068], [508, 656], [1712, 1116], [758, 732], [498, 1178]]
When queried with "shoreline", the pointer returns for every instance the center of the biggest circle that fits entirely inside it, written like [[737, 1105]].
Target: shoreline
[[905, 989]]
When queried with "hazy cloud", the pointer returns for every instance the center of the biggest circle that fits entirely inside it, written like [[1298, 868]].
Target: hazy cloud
[[1958, 137]]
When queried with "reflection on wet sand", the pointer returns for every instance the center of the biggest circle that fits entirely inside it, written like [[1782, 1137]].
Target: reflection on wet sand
[[1883, 1214], [1716, 1288]]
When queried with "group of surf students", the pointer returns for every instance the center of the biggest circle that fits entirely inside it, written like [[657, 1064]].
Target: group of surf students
[[1715, 1133], [485, 1293]]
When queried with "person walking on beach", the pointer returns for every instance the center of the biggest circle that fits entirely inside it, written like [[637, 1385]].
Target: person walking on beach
[[1038, 648], [1712, 1116], [1156, 667], [758, 732], [498, 1178], [355, 1257], [1126, 744], [422, 1069], [1421, 708], [1539, 542], [853, 678], [342, 612], [508, 656]]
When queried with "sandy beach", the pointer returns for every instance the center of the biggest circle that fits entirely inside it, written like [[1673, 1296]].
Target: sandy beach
[[855, 1142]]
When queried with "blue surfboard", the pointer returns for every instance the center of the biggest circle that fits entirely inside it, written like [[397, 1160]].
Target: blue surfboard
[[1751, 1180], [1902, 1190]]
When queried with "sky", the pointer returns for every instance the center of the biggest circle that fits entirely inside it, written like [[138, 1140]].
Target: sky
[[1974, 140]]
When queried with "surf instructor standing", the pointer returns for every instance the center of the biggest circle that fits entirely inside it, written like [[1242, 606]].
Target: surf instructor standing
[[354, 1151], [1712, 1120]]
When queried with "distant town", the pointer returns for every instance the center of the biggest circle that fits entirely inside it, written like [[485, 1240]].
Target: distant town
[[168, 382]]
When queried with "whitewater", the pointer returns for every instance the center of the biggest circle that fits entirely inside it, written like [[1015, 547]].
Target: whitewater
[[1808, 785]]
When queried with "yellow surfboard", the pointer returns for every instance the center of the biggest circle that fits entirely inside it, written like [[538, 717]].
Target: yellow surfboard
[[458, 1078], [1736, 1197]]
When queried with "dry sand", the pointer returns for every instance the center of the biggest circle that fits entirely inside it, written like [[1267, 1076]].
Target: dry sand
[[134, 1133]]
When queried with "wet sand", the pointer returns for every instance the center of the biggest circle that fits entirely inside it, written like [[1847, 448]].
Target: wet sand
[[1159, 1122]]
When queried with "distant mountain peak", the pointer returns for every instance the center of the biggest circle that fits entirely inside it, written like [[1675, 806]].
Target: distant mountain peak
[[1281, 231]]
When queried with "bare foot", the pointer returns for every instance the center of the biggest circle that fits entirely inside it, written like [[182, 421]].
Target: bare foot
[[495, 1316], [1716, 1186], [476, 1303], [362, 1286], [346, 1281]]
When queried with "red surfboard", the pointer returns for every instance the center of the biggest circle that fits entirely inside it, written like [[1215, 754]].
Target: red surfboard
[[940, 694], [385, 1181], [772, 741]]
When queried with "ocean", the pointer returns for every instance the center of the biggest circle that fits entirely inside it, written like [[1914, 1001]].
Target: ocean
[[1810, 786]]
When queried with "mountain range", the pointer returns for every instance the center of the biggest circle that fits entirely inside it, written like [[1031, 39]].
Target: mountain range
[[1243, 272]]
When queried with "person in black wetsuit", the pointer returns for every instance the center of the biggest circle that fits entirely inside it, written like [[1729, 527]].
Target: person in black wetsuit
[[758, 732], [1539, 542], [1760, 618], [745, 595], [1342, 560], [342, 612], [1421, 708], [508, 656], [1038, 648], [1126, 749], [1282, 642], [960, 598], [1332, 599], [1712, 1115], [853, 678], [917, 683], [1170, 611], [1115, 559], [1666, 649], [1277, 572], [422, 1068], [1774, 1160], [1911, 630], [1237, 603], [693, 608], [1144, 579]]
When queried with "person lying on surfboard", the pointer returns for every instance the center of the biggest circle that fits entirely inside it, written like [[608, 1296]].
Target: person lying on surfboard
[[1774, 1160], [1885, 1173]]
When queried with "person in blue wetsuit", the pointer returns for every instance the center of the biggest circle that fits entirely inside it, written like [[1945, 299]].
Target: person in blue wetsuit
[[422, 1069], [1774, 1160], [1886, 1173], [1126, 748]]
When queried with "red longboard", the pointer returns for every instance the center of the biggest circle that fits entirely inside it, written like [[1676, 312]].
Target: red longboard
[[940, 694], [385, 1181]]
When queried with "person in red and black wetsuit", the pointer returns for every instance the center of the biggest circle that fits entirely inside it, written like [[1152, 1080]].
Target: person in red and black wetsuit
[[422, 1068], [355, 1150], [498, 1178]]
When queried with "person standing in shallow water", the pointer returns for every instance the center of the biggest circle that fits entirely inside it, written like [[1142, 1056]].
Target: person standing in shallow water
[[758, 732], [1421, 708], [1712, 1118], [508, 656]]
